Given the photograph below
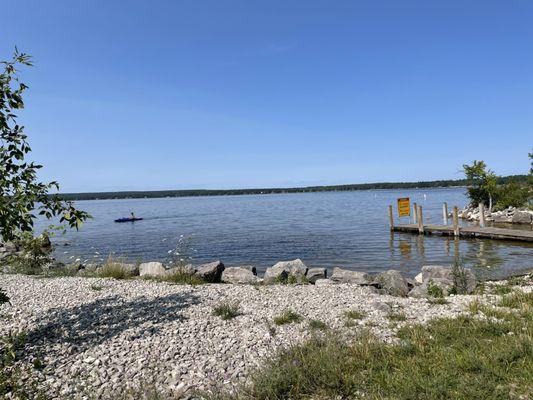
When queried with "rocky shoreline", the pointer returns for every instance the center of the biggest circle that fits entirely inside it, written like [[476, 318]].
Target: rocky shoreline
[[511, 215], [108, 337]]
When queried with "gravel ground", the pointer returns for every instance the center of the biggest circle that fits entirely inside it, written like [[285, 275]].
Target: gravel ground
[[102, 336]]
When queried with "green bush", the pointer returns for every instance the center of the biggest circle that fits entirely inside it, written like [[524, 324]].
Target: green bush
[[511, 194]]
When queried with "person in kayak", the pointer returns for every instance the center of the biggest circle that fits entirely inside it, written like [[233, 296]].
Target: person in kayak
[[132, 215]]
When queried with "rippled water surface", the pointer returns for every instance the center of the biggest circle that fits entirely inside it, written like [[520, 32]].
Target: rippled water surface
[[347, 229]]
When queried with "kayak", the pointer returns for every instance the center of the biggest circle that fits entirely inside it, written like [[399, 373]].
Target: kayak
[[128, 219]]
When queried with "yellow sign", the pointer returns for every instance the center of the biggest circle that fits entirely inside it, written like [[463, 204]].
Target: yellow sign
[[404, 207]]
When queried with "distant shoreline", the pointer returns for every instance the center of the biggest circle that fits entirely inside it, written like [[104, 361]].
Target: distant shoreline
[[308, 189]]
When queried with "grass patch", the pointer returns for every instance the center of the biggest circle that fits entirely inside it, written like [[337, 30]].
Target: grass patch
[[396, 316], [517, 299], [354, 314], [114, 269], [288, 317], [317, 325], [227, 311], [451, 358], [502, 289], [179, 277]]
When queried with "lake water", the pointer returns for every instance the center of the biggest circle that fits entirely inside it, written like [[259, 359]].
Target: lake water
[[346, 229]]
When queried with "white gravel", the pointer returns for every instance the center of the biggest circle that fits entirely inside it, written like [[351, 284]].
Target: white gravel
[[135, 333]]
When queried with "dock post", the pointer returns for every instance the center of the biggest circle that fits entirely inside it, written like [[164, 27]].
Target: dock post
[[391, 219], [415, 211], [420, 218], [445, 213], [481, 215], [455, 221]]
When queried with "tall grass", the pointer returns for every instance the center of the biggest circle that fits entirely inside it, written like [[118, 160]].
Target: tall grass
[[114, 268]]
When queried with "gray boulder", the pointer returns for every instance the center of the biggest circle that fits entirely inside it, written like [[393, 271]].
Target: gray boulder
[[210, 272], [463, 279], [314, 274], [153, 268], [346, 276], [434, 287], [522, 217], [392, 282], [283, 270], [239, 275], [184, 269]]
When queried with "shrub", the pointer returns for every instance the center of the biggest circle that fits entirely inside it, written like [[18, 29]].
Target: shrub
[[33, 256], [227, 311], [435, 290], [512, 194], [287, 317]]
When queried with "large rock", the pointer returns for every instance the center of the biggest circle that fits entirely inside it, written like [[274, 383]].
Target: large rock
[[286, 270], [392, 282], [346, 276], [153, 268], [314, 274], [522, 217], [239, 275], [462, 279], [434, 287], [183, 269], [210, 272]]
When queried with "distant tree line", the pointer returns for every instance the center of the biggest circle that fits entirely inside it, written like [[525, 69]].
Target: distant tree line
[[232, 192]]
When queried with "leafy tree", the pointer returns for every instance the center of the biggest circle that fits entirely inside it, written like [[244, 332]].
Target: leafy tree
[[22, 196], [483, 183]]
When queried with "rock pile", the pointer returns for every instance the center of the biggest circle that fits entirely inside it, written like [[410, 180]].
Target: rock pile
[[510, 215], [392, 282]]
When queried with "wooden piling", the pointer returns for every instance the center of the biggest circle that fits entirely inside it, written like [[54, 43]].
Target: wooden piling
[[415, 210], [420, 218], [481, 215], [445, 213], [455, 221], [391, 219]]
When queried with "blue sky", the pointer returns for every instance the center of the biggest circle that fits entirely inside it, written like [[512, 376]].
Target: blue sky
[[228, 94]]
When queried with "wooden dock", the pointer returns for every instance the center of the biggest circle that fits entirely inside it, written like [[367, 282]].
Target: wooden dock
[[454, 229], [469, 232]]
